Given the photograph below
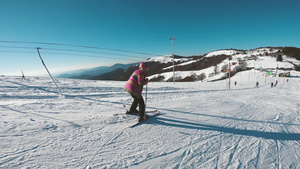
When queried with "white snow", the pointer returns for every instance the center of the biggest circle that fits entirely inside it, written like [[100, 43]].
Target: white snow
[[268, 63], [222, 52], [183, 74], [181, 64], [166, 59], [201, 124]]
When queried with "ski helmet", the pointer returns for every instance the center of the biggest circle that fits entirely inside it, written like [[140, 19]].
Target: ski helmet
[[143, 66]]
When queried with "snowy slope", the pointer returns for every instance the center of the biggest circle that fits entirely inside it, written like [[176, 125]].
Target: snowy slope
[[201, 125], [166, 59], [221, 52]]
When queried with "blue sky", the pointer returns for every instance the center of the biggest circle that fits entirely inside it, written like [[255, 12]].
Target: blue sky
[[136, 26]]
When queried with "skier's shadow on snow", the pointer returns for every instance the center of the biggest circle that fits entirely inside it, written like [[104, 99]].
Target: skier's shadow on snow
[[244, 132], [229, 118]]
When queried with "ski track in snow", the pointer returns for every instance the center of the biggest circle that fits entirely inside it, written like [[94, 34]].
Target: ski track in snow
[[188, 151], [200, 125]]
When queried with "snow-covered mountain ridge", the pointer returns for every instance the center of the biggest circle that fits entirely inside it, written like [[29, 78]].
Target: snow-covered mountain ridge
[[210, 66], [259, 59]]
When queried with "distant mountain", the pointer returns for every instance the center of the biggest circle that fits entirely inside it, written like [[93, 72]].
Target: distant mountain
[[90, 73], [208, 67], [113, 75], [214, 65]]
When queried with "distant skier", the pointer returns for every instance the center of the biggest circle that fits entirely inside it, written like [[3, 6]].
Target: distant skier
[[23, 76], [134, 87], [272, 84], [276, 83], [257, 84]]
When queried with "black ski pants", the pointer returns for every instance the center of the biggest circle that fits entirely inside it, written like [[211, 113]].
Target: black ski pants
[[138, 101]]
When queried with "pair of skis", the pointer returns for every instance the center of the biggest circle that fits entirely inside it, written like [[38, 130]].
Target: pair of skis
[[154, 113], [150, 114]]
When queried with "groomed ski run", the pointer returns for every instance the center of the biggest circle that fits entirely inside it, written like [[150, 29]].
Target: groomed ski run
[[201, 125]]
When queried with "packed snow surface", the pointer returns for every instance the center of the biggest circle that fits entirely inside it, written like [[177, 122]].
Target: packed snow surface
[[200, 125]]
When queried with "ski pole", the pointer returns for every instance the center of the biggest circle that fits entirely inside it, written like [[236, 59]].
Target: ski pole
[[146, 99], [146, 96]]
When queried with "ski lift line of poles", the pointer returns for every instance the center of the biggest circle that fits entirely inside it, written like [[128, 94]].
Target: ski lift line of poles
[[75, 51], [80, 46], [229, 71], [38, 50], [172, 39]]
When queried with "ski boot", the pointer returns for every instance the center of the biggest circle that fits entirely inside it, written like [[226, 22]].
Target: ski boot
[[143, 118], [132, 112]]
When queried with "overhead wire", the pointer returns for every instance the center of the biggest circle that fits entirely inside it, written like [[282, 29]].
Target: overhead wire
[[7, 51], [80, 46], [51, 53], [127, 56], [71, 50], [106, 57], [66, 50]]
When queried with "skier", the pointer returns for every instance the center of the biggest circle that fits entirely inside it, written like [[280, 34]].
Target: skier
[[276, 83], [23, 76], [134, 87]]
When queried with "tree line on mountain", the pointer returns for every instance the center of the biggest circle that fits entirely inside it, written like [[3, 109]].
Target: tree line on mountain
[[158, 68], [292, 52]]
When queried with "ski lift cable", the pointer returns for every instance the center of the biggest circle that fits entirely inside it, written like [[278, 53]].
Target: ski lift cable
[[54, 53], [70, 50], [92, 52], [9, 51], [80, 46], [70, 55]]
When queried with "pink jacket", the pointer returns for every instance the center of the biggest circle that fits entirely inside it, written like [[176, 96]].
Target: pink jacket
[[136, 82]]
